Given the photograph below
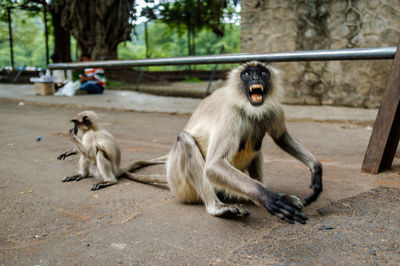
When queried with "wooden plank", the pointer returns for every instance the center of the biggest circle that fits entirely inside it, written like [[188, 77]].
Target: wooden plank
[[386, 132]]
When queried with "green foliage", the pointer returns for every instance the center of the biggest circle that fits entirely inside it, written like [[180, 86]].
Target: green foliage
[[164, 40], [168, 42], [191, 80], [28, 40], [194, 14]]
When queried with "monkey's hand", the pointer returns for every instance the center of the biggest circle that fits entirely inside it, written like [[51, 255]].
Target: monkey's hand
[[73, 131], [64, 155], [73, 137], [287, 208], [316, 186]]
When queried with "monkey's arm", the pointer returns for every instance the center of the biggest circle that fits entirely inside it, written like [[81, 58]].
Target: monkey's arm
[[79, 146], [294, 148], [221, 173], [66, 154]]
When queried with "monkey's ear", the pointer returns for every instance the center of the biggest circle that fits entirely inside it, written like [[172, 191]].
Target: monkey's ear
[[86, 121]]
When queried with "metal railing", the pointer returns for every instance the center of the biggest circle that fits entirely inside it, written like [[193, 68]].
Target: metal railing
[[297, 56]]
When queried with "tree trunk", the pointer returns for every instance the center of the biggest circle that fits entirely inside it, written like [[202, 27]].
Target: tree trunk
[[10, 37], [98, 25], [194, 40], [46, 34], [189, 29], [146, 40], [62, 41]]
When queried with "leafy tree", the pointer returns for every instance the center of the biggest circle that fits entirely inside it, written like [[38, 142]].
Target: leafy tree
[[35, 7], [99, 25], [165, 42], [29, 44], [195, 15]]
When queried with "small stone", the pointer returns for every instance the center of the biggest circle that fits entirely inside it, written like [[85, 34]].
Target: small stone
[[326, 227]]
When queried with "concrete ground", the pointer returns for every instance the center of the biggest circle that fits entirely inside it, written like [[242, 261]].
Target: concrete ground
[[356, 221]]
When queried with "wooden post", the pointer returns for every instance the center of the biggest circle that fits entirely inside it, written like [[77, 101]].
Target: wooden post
[[386, 132]]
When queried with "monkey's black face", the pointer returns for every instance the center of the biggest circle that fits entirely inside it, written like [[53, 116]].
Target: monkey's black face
[[256, 82], [84, 125], [74, 130]]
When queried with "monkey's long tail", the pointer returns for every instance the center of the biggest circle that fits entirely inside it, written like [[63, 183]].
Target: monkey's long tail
[[141, 164], [147, 179]]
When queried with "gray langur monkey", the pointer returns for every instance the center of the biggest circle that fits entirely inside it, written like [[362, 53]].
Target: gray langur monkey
[[101, 155], [220, 148]]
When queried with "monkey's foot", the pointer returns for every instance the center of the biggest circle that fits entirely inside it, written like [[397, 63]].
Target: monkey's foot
[[102, 184], [227, 210], [72, 178]]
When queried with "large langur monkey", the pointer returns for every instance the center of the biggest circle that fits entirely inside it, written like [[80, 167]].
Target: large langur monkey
[[220, 148], [100, 154]]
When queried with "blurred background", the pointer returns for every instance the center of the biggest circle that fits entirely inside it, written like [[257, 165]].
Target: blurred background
[[32, 32]]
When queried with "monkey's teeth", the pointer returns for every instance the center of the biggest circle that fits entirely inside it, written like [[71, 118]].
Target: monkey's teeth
[[256, 86]]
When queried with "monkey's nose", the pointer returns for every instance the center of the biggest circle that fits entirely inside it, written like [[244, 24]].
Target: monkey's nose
[[256, 76]]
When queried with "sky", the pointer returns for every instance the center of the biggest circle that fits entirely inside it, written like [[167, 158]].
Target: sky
[[140, 5]]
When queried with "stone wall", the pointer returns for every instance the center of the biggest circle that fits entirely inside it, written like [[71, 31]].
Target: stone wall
[[289, 25]]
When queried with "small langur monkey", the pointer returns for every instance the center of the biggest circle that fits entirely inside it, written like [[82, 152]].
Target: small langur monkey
[[100, 154], [219, 150]]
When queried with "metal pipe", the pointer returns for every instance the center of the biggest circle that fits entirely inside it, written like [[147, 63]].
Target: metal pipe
[[297, 56]]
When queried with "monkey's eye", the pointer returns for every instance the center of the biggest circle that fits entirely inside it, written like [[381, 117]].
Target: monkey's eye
[[263, 73], [86, 120], [246, 74]]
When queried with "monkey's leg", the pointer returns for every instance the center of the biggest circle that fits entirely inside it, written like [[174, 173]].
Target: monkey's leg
[[83, 171], [83, 167], [294, 148], [187, 182], [106, 172]]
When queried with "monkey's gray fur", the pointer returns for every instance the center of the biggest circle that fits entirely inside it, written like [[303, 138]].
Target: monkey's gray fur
[[220, 147], [100, 154]]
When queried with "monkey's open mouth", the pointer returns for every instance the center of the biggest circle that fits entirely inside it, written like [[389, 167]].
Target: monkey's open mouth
[[256, 94]]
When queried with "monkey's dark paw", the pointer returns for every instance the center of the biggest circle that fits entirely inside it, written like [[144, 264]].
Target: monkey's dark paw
[[317, 189], [288, 208], [72, 178], [101, 185], [227, 210], [62, 156], [316, 185], [72, 132]]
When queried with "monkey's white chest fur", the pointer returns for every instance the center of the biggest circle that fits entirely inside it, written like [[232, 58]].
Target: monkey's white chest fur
[[91, 150]]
